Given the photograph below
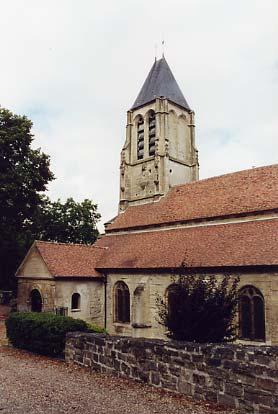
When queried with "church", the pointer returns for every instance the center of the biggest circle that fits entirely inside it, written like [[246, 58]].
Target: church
[[169, 222]]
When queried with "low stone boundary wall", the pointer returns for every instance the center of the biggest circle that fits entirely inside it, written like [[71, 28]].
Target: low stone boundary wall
[[239, 376]]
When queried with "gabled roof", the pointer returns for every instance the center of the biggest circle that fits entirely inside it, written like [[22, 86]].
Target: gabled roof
[[160, 82], [240, 193], [212, 246], [68, 260]]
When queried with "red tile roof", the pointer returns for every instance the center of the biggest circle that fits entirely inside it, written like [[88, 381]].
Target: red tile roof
[[253, 243], [242, 192], [242, 244], [70, 260]]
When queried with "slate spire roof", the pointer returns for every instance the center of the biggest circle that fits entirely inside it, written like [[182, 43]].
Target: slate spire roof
[[160, 82]]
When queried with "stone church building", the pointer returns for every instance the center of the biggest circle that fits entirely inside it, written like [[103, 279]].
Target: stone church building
[[169, 222]]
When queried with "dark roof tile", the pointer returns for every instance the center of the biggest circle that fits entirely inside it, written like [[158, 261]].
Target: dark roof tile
[[160, 82]]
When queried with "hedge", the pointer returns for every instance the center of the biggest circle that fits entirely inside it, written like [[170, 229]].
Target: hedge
[[44, 333], [96, 329]]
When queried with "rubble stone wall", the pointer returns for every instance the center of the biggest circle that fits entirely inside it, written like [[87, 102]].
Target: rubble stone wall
[[239, 376]]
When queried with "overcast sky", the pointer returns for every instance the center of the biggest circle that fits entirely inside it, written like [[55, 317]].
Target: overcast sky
[[75, 68]]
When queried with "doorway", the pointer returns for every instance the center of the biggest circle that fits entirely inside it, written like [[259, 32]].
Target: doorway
[[36, 301]]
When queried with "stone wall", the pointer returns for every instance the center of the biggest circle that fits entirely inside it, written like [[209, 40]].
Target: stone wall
[[244, 377]]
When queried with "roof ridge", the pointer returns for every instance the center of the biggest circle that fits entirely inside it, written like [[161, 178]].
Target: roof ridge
[[68, 244], [225, 175]]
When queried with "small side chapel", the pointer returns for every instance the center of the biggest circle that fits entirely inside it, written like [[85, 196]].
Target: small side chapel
[[169, 222]]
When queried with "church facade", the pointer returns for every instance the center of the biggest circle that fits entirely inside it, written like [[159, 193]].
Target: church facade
[[169, 222]]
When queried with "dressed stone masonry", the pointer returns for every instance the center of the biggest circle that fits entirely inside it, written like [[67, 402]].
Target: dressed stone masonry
[[243, 377]]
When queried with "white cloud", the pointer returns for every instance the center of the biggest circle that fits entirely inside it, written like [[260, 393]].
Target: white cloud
[[75, 68]]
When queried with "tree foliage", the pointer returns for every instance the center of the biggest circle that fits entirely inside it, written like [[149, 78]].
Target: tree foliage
[[69, 222], [24, 175], [26, 213], [200, 309]]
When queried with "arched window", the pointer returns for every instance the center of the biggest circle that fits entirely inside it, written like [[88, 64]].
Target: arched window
[[140, 138], [122, 303], [173, 299], [75, 301], [151, 125], [36, 301], [251, 314]]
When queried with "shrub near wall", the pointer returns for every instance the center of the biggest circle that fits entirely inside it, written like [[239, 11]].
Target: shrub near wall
[[44, 333]]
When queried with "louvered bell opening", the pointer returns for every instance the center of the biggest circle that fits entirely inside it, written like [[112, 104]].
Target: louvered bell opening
[[140, 153], [140, 149], [140, 139], [151, 144], [140, 125], [151, 150], [152, 134], [152, 141], [152, 122], [140, 144]]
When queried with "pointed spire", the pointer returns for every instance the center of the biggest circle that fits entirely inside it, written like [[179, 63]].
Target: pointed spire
[[160, 82]]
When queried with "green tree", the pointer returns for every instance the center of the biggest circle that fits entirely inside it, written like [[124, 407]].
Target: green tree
[[26, 213], [200, 309], [69, 222], [24, 175]]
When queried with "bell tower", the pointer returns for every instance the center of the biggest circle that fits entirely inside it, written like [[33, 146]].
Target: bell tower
[[159, 151]]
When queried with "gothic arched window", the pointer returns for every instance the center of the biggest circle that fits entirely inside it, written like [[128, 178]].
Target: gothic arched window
[[140, 138], [173, 299], [251, 314], [75, 301], [151, 126], [122, 303]]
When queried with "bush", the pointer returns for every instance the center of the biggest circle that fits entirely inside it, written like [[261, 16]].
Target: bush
[[44, 333], [200, 309], [95, 329]]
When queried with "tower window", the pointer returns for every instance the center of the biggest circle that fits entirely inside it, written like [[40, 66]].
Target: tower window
[[251, 314], [122, 303], [152, 127], [140, 138]]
